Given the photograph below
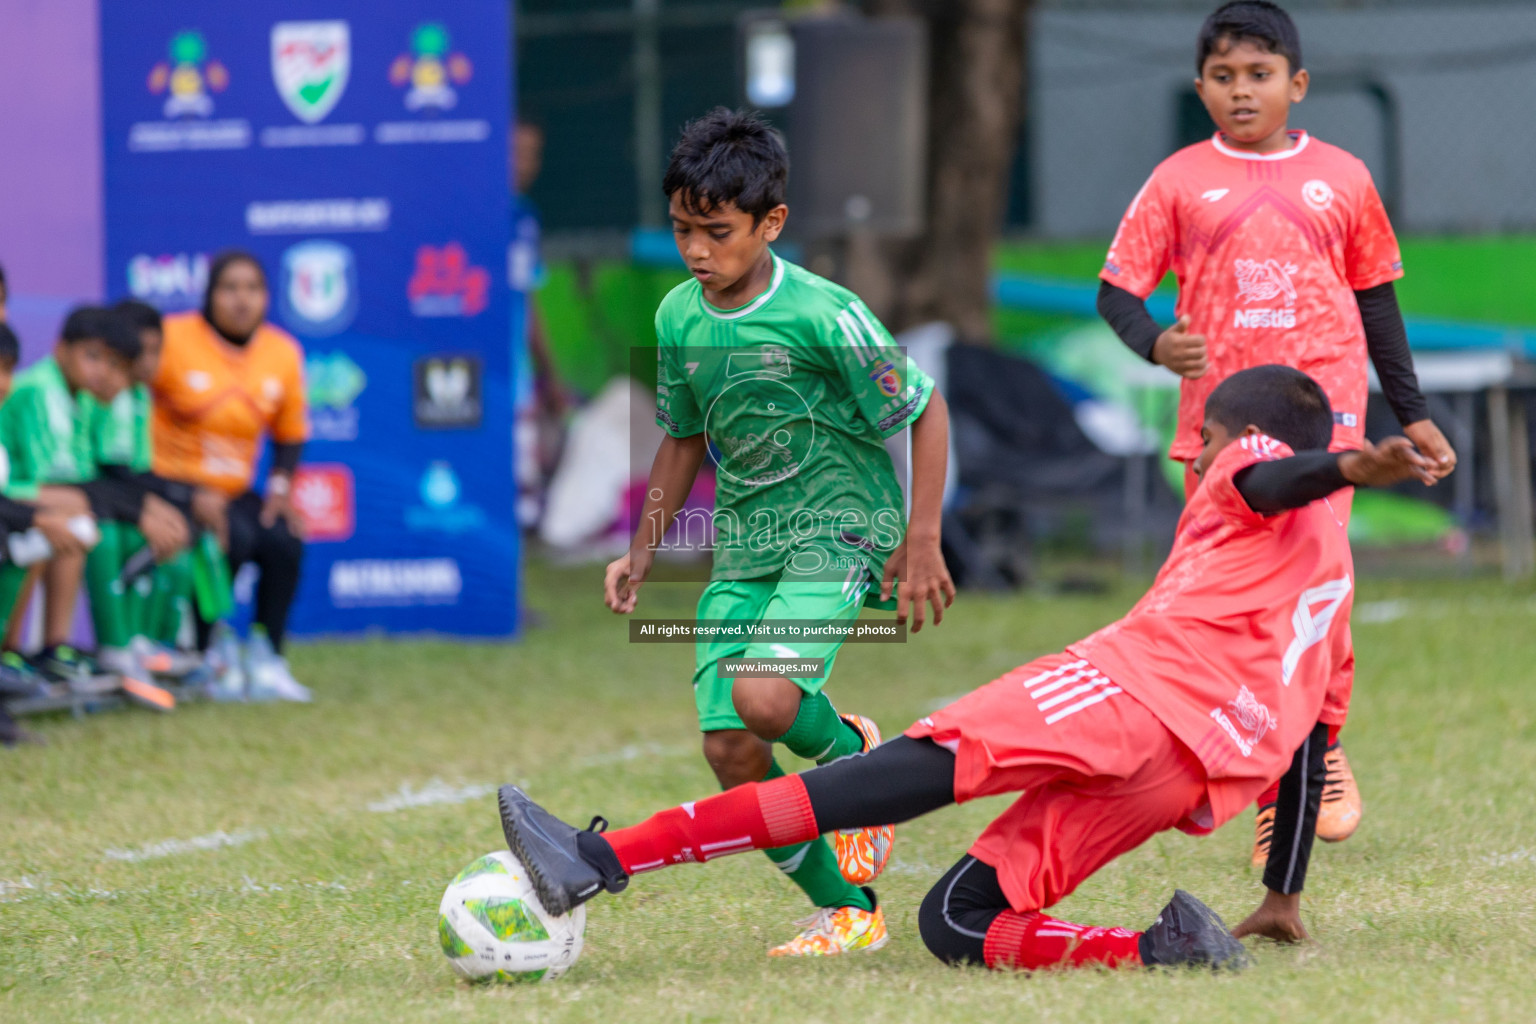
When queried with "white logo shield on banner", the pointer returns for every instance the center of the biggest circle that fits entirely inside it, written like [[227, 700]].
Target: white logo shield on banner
[[311, 61]]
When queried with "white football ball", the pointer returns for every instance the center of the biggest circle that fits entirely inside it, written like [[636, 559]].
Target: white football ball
[[492, 926]]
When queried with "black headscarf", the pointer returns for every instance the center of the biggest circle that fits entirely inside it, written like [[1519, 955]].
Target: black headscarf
[[222, 262]]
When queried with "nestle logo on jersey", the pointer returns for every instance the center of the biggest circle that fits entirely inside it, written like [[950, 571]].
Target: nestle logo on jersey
[[1264, 318]]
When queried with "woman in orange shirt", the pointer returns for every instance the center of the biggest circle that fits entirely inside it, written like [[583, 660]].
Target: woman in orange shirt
[[226, 380]]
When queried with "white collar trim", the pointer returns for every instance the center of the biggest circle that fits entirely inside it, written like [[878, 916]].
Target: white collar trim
[[756, 304], [1302, 138]]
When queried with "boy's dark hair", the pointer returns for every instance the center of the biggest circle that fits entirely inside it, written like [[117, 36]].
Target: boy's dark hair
[[4, 288], [1283, 402], [87, 323], [1260, 22], [140, 315], [728, 156], [10, 347]]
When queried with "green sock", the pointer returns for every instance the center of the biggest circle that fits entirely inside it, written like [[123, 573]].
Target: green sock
[[137, 597], [108, 606], [818, 733], [11, 579], [813, 868], [173, 582]]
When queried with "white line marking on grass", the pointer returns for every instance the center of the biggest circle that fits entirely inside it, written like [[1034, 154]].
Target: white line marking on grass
[[172, 847], [10, 886], [435, 792], [1504, 860], [914, 867], [1380, 611], [1376, 612], [632, 752], [249, 884]]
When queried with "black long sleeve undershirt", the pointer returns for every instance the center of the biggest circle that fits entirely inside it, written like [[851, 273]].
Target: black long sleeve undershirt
[[1386, 341], [1127, 315], [1295, 482], [285, 457]]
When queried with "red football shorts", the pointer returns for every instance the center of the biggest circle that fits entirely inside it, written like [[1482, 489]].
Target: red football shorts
[[1098, 773]]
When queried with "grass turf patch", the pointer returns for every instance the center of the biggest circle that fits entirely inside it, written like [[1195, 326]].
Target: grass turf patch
[[281, 862]]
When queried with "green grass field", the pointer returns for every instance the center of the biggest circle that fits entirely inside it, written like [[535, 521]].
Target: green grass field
[[275, 863]]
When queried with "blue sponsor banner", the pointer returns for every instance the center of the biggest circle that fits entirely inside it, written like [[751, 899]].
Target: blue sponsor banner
[[359, 149]]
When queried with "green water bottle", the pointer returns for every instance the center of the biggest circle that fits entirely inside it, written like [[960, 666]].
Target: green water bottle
[[214, 590]]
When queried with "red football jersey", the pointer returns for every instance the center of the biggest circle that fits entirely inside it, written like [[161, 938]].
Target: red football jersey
[[1234, 646], [1269, 250]]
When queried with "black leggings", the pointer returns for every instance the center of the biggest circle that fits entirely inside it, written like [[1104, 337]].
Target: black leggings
[[276, 552], [896, 782]]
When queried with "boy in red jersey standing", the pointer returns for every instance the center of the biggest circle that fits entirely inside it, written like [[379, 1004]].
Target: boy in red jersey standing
[[1283, 254]]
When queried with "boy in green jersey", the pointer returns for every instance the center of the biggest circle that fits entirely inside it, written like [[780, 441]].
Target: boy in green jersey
[[136, 620], [44, 429], [18, 679], [792, 386]]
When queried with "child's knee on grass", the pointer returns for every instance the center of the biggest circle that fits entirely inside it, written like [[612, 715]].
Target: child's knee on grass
[[736, 756], [766, 704]]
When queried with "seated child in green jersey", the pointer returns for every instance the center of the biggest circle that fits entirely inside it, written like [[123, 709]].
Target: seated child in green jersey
[[792, 386], [44, 430], [140, 575], [26, 533]]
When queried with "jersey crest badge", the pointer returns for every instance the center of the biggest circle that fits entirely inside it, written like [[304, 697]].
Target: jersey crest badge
[[887, 379], [1317, 194]]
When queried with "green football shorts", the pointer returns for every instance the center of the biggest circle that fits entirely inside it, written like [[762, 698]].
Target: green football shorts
[[763, 599]]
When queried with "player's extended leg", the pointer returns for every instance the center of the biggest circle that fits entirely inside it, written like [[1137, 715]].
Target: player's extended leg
[[899, 781], [805, 721], [737, 756], [796, 712], [965, 918]]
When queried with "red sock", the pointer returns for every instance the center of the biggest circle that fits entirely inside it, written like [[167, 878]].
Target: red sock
[[1031, 941], [756, 816], [1271, 794], [1333, 734]]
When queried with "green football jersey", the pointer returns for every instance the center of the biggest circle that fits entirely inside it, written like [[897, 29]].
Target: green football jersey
[[796, 391], [120, 431], [45, 432]]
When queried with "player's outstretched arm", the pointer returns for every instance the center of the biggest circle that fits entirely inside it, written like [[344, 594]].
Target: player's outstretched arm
[[1382, 465], [672, 474], [919, 560], [1276, 486]]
